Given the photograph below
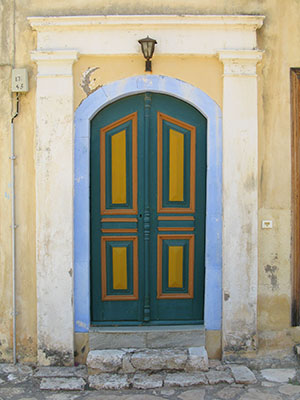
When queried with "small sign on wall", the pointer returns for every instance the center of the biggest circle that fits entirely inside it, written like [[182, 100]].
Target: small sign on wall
[[19, 80], [267, 224]]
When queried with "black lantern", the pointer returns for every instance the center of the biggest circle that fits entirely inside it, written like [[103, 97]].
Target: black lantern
[[148, 45]]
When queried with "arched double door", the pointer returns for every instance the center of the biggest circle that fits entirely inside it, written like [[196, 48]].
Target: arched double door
[[148, 193]]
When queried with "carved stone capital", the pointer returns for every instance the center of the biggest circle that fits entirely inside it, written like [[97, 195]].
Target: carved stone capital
[[54, 62], [240, 62]]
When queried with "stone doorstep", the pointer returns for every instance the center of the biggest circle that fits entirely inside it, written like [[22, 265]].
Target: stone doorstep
[[138, 380], [192, 359]]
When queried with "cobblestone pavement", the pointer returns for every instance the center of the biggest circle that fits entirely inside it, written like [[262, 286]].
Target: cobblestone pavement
[[25, 383]]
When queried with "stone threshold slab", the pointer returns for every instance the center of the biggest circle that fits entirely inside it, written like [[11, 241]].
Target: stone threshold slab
[[144, 328], [101, 338]]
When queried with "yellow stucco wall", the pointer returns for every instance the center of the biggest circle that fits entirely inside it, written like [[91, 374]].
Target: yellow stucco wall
[[205, 73], [279, 37]]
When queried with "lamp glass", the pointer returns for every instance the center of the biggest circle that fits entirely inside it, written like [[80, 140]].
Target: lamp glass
[[148, 45]]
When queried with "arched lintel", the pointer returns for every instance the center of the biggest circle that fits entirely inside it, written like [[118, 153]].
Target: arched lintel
[[213, 257], [153, 83]]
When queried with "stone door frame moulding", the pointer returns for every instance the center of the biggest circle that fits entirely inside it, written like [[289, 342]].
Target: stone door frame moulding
[[60, 41]]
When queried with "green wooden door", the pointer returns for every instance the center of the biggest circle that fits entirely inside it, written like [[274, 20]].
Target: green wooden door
[[148, 190]]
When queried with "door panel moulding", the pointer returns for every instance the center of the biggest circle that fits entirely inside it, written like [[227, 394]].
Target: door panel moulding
[[60, 41]]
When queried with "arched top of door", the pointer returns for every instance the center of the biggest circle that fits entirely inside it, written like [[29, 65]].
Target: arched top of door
[[147, 83]]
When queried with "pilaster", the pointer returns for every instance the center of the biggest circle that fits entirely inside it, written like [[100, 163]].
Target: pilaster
[[240, 200], [54, 206]]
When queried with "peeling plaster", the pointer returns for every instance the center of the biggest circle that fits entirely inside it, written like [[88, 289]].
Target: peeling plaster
[[82, 325], [241, 343], [54, 357], [226, 296], [271, 271], [88, 85]]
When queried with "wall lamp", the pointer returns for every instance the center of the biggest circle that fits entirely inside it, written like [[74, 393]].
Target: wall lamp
[[147, 45]]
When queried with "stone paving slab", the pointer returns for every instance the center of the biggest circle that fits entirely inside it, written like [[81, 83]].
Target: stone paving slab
[[229, 393], [145, 381], [289, 390], [215, 377], [193, 395], [256, 394], [62, 384], [108, 381], [60, 372], [279, 375], [20, 369], [65, 396], [242, 374], [185, 379]]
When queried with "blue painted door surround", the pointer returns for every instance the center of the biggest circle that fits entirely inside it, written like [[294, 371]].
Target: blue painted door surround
[[148, 194], [213, 252]]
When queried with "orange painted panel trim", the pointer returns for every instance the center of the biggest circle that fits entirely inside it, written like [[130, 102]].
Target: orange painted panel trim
[[112, 230], [118, 168], [176, 165], [160, 118], [176, 229], [185, 218], [175, 276], [190, 293], [103, 132], [119, 267], [135, 294], [119, 220]]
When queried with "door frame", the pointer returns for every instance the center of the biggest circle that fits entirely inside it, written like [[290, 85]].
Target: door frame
[[213, 248], [60, 41], [295, 165]]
